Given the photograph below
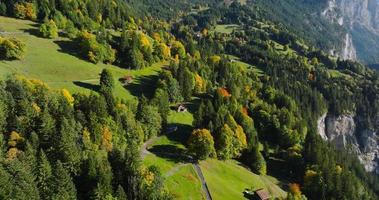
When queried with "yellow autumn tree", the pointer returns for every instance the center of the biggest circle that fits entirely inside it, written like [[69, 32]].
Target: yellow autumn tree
[[144, 41], [201, 144], [163, 51], [148, 176], [106, 139], [214, 59], [241, 137], [25, 10], [36, 107], [14, 139], [157, 37], [66, 94], [200, 84], [204, 32], [12, 153]]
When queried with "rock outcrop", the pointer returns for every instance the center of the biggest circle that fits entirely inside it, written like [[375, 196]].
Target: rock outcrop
[[360, 18], [342, 131]]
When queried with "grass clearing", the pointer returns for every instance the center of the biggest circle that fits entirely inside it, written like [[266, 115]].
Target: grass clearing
[[228, 179], [55, 62], [337, 74], [246, 66], [180, 177], [226, 28]]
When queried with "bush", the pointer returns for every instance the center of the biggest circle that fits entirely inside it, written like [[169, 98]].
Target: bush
[[25, 11], [49, 29], [11, 48], [93, 50], [201, 144]]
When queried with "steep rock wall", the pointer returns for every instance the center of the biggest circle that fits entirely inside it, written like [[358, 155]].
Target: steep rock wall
[[361, 20], [342, 131]]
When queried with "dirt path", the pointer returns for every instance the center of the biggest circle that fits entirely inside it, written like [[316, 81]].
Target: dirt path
[[144, 152], [203, 182]]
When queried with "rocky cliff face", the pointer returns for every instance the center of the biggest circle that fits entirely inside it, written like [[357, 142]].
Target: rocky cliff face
[[342, 131], [361, 20]]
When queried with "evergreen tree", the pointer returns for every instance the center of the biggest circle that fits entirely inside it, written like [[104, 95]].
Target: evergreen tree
[[161, 100], [120, 193], [64, 188], [187, 83], [259, 163], [68, 147], [225, 143], [151, 121], [44, 176], [23, 185], [5, 183], [107, 82]]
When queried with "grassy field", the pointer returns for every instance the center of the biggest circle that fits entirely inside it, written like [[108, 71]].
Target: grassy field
[[55, 62], [247, 66], [227, 180], [226, 28]]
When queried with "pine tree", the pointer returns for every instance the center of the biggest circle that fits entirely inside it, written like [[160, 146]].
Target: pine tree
[[44, 176], [64, 188], [68, 148], [187, 83], [107, 82], [23, 185], [120, 193], [225, 143], [5, 183], [259, 165], [161, 100]]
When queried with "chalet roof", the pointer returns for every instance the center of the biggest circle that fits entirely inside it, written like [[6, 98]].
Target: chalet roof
[[262, 194]]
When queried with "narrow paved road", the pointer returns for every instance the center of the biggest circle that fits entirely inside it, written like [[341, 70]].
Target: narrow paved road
[[144, 152], [203, 182]]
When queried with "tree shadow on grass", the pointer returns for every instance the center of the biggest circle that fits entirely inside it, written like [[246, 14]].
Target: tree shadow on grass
[[276, 168], [171, 153], [70, 47], [32, 31], [181, 135], [89, 86], [143, 85]]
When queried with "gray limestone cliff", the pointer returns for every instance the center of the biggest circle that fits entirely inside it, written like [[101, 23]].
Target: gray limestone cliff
[[360, 18], [342, 131]]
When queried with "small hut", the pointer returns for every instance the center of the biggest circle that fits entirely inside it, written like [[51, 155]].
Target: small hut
[[126, 79], [182, 108], [261, 194]]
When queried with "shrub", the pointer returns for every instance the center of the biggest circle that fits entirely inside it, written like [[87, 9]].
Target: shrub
[[11, 48], [25, 11], [49, 29], [201, 144], [93, 50]]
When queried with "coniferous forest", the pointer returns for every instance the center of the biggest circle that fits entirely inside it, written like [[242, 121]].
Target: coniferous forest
[[254, 86]]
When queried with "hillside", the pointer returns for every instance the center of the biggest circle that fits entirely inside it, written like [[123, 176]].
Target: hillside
[[161, 100], [55, 62]]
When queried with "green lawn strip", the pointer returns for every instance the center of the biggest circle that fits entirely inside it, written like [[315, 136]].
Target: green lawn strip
[[246, 66], [184, 184], [226, 28], [227, 179]]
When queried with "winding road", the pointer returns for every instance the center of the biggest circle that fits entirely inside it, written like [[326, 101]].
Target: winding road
[[144, 152]]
